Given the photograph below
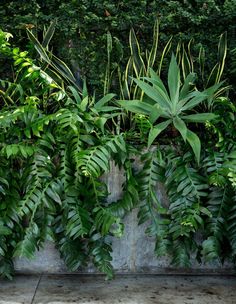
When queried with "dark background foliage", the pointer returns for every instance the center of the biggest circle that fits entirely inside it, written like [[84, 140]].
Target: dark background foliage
[[82, 26]]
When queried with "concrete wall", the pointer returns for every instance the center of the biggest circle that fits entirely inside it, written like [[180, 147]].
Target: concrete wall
[[133, 253]]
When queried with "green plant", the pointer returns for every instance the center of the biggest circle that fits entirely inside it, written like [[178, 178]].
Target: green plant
[[57, 141], [173, 105], [54, 147]]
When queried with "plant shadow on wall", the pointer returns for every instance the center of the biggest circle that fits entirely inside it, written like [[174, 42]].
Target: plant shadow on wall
[[57, 141]]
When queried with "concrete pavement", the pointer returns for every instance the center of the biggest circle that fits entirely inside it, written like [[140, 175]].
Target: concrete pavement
[[126, 289]]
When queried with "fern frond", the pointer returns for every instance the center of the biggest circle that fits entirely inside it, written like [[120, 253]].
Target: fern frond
[[72, 252], [106, 222], [6, 268], [181, 253], [129, 200], [68, 119], [214, 165], [96, 160], [29, 244], [231, 225], [79, 223], [219, 204], [101, 253]]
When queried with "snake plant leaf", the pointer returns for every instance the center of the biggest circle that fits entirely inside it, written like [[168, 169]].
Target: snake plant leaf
[[49, 34], [153, 53], [136, 53], [39, 48], [156, 130]]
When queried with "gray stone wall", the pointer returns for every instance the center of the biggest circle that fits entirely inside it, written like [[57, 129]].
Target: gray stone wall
[[133, 253]]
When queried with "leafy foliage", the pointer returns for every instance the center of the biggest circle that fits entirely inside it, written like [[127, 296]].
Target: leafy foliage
[[172, 105], [57, 141], [54, 149]]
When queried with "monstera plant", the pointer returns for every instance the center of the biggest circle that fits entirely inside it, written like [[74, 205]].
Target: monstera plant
[[173, 105]]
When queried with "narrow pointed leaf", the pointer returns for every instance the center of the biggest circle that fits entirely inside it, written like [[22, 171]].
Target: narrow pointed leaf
[[174, 81]]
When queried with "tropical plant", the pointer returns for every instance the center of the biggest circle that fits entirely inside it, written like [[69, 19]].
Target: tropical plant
[[54, 149], [57, 141], [172, 105]]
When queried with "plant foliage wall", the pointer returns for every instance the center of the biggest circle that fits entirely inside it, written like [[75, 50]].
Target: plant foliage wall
[[58, 138]]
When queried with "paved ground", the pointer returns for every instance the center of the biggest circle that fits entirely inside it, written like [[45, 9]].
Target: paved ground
[[143, 289]]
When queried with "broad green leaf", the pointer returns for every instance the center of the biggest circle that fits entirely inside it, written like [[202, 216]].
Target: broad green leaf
[[98, 105], [201, 117], [188, 83], [195, 143], [197, 97], [180, 126], [153, 93], [75, 93], [137, 106], [5, 230], [156, 130]]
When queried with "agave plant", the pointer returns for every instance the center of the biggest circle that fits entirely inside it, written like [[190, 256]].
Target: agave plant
[[173, 105]]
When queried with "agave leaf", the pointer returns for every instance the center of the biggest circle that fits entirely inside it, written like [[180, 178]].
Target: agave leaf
[[200, 117], [137, 106], [174, 82], [153, 93], [195, 98], [195, 143], [156, 130], [188, 83], [181, 127]]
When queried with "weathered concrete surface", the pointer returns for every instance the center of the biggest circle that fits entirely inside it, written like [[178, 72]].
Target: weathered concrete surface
[[134, 252], [129, 289], [21, 290]]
